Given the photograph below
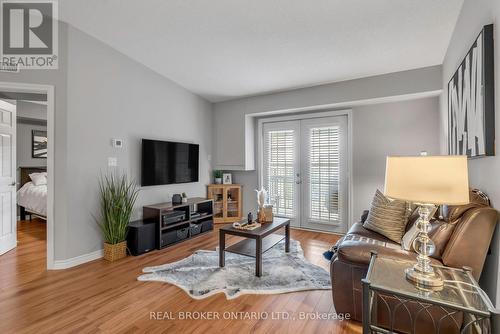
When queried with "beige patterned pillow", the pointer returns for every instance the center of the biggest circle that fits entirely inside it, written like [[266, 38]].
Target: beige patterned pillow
[[387, 217]]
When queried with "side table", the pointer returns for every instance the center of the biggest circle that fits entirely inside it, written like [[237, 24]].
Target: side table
[[459, 307]]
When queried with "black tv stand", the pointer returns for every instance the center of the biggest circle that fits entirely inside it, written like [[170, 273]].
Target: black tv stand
[[190, 227]]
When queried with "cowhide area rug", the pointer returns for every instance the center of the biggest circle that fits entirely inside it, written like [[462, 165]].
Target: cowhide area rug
[[200, 276]]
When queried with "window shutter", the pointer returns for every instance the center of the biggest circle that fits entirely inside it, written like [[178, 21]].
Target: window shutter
[[324, 173], [279, 153]]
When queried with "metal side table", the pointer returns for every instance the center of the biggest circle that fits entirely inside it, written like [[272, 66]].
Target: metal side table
[[459, 307]]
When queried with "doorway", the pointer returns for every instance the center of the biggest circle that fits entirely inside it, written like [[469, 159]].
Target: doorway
[[28, 94], [305, 170]]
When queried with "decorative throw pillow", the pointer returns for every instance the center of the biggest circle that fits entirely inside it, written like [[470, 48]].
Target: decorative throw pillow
[[411, 230], [387, 217], [410, 235], [412, 216], [440, 234]]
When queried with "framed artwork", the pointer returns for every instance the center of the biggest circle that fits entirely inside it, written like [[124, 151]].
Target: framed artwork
[[227, 178], [471, 101], [39, 144]]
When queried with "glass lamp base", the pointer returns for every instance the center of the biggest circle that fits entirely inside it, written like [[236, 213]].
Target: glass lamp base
[[425, 280]]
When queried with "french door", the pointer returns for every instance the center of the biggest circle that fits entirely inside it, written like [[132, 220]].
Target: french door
[[305, 171]]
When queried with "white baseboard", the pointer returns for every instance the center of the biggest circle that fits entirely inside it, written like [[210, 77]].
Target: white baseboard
[[7, 245], [76, 261]]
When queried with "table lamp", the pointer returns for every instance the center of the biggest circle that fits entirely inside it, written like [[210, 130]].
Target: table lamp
[[426, 181]]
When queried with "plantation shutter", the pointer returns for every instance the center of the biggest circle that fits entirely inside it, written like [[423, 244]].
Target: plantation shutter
[[323, 171], [305, 170], [280, 164]]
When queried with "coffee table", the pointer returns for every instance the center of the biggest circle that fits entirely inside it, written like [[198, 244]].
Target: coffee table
[[256, 242]]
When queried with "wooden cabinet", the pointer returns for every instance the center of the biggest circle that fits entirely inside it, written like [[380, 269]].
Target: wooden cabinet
[[227, 202]]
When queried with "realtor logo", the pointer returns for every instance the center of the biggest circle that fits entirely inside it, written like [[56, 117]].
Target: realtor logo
[[29, 34]]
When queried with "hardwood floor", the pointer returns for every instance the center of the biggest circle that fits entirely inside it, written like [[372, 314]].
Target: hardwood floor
[[106, 297]]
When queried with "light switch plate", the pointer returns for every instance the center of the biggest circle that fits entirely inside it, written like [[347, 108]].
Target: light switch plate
[[112, 162]]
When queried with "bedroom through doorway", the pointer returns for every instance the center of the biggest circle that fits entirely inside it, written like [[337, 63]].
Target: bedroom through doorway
[[23, 173]]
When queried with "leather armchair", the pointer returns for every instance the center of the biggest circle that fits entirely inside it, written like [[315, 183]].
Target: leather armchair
[[468, 245]]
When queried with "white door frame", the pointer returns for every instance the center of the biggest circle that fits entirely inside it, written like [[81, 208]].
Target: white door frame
[[49, 90], [308, 115]]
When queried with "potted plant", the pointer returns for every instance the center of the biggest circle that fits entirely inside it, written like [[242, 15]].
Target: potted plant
[[184, 198], [117, 199], [218, 176]]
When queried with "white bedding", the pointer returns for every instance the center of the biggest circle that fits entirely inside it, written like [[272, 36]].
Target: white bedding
[[33, 198]]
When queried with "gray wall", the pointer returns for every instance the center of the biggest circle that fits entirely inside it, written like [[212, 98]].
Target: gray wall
[[397, 128], [116, 97], [31, 110], [57, 78], [392, 86], [233, 118], [23, 145], [484, 173], [101, 94], [30, 116], [345, 93]]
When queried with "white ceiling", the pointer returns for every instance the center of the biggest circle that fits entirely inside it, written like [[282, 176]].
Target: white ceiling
[[224, 49]]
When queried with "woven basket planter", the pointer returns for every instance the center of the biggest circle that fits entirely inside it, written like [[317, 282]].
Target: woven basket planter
[[115, 252]]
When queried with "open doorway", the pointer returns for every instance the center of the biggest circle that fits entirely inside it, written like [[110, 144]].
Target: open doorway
[[26, 171]]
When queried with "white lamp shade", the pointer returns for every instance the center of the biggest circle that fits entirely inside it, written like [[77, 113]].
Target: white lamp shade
[[428, 179]]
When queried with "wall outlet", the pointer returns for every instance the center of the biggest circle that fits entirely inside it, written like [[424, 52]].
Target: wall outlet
[[112, 162]]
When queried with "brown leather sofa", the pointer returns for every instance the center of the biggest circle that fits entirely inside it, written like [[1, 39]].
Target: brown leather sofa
[[463, 239]]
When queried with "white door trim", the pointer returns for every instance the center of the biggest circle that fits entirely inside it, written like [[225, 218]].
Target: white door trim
[[49, 90], [308, 115]]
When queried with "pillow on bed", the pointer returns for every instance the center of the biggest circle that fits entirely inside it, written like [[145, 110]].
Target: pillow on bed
[[38, 179]]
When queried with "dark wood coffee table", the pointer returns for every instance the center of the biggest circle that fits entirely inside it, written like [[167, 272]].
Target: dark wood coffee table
[[257, 241]]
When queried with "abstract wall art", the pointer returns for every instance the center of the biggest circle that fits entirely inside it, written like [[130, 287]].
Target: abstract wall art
[[471, 101], [39, 144]]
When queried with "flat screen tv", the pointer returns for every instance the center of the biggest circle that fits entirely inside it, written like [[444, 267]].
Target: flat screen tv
[[165, 162]]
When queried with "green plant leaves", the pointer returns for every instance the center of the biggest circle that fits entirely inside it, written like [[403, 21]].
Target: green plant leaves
[[217, 174], [117, 199]]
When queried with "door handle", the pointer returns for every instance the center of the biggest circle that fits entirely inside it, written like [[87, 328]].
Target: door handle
[[13, 184]]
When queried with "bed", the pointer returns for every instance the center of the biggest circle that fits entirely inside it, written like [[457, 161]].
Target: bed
[[32, 200]]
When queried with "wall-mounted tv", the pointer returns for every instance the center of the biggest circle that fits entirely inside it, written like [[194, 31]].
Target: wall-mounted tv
[[165, 162]]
